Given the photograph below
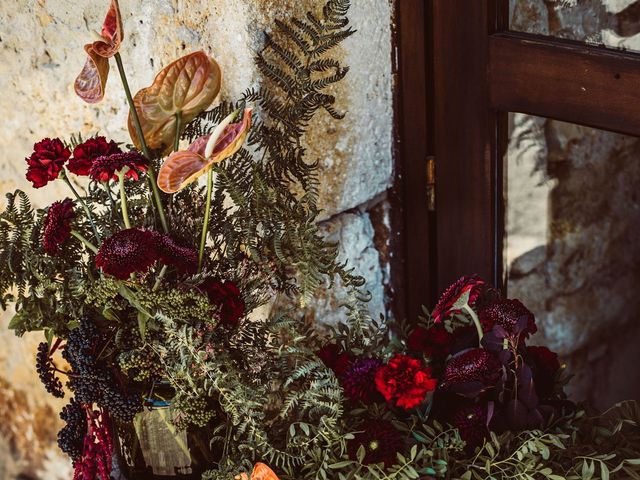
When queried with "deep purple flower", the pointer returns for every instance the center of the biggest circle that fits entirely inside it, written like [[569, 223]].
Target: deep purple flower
[[471, 372], [381, 442], [511, 315], [128, 251], [106, 168], [359, 383], [56, 227]]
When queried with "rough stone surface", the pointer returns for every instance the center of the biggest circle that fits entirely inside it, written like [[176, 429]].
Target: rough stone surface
[[40, 55], [572, 224]]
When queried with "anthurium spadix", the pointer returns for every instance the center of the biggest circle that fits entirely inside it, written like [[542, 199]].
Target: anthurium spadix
[[185, 166], [89, 85]]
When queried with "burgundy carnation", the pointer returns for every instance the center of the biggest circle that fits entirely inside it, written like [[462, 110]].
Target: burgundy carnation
[[56, 228], [226, 296], [128, 251], [405, 381], [545, 364], [511, 315], [185, 259], [471, 422], [434, 342], [445, 306], [107, 167], [381, 442], [471, 372], [359, 382], [46, 161], [335, 358], [85, 153]]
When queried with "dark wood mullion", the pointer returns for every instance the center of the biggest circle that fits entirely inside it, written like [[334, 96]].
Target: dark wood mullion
[[565, 80], [468, 178]]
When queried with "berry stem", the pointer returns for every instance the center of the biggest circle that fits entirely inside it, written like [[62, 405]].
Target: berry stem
[[86, 242], [123, 198], [205, 224], [151, 176]]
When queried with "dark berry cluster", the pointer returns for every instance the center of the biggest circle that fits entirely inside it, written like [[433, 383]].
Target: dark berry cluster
[[47, 371], [93, 380], [71, 436]]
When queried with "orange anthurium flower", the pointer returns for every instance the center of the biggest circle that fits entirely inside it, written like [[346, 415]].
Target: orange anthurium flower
[[90, 84], [184, 88], [185, 166], [260, 472]]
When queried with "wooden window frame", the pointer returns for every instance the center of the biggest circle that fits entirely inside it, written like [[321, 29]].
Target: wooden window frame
[[461, 71]]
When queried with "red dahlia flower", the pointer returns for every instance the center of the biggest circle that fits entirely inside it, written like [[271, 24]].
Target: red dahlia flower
[[359, 382], [128, 251], [434, 342], [56, 227], [381, 442], [471, 372], [46, 161], [85, 153], [511, 315], [405, 381], [447, 304], [225, 295], [335, 358], [107, 167]]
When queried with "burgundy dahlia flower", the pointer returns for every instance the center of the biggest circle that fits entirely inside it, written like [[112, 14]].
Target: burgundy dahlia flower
[[446, 305], [46, 161], [335, 358], [471, 372], [56, 227], [434, 342], [89, 150], [226, 296], [359, 382], [511, 315], [128, 251], [106, 168], [545, 364], [381, 442], [405, 381], [471, 422]]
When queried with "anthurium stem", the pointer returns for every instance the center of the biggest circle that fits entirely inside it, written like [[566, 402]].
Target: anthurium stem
[[86, 242], [176, 144], [138, 126], [64, 176], [205, 223], [476, 321], [123, 198]]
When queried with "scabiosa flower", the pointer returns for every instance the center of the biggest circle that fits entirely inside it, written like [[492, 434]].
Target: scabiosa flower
[[381, 442], [433, 342], [405, 381], [106, 168], [128, 251], [446, 305], [335, 358], [471, 372], [359, 382], [57, 225], [545, 364], [46, 161], [226, 296], [511, 315], [471, 422], [85, 153], [185, 259]]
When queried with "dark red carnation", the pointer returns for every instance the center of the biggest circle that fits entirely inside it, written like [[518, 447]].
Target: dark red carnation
[[106, 168], [511, 315], [471, 372], [359, 381], [185, 259], [46, 161], [433, 342], [405, 381], [226, 296], [471, 422], [446, 305], [56, 227], [335, 358], [128, 251], [545, 364], [381, 441], [85, 153]]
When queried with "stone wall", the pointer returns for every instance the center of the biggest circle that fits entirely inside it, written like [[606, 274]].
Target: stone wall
[[573, 218], [40, 55]]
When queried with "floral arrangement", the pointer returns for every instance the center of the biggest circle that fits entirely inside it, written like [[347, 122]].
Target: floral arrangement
[[175, 279]]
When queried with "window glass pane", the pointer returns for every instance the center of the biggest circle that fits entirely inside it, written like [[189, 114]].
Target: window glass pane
[[572, 248], [611, 23]]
